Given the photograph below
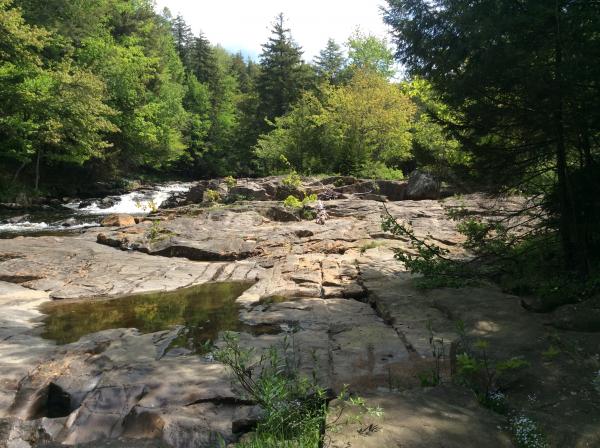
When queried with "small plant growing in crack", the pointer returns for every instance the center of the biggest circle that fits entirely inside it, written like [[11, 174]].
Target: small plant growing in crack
[[478, 371], [433, 377], [156, 232], [369, 245], [294, 406], [212, 196]]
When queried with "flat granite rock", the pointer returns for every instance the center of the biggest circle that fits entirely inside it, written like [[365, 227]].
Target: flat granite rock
[[334, 293], [421, 418]]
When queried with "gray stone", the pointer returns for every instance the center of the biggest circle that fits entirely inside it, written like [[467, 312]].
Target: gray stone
[[422, 186]]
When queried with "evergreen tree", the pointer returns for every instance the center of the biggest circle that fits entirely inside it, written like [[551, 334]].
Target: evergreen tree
[[182, 33], [523, 77], [330, 62], [203, 62], [246, 73], [283, 74]]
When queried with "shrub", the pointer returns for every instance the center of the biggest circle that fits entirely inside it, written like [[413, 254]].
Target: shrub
[[230, 181], [478, 371], [525, 263], [212, 196], [379, 170], [292, 180], [295, 407], [293, 202]]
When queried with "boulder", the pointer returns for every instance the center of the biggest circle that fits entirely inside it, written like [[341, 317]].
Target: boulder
[[393, 190], [108, 201], [70, 222], [120, 220], [86, 203], [196, 194], [422, 186], [250, 191], [175, 200], [578, 317]]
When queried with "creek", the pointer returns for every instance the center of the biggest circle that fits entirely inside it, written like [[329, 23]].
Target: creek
[[75, 215]]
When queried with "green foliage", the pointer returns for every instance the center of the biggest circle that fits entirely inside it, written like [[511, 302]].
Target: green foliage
[[433, 377], [156, 232], [520, 133], [551, 353], [478, 371], [230, 181], [294, 406], [330, 63], [212, 196], [293, 202], [292, 180], [436, 269], [283, 75], [379, 170], [433, 147], [522, 263], [370, 53], [52, 112], [351, 129]]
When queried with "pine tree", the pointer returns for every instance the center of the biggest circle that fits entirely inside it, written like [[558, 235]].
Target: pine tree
[[203, 61], [182, 33], [330, 62], [523, 77], [283, 74]]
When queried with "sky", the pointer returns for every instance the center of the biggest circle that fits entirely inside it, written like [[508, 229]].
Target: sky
[[244, 25]]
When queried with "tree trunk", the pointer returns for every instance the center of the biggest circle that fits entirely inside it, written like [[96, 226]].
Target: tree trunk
[[572, 238], [23, 165], [37, 169]]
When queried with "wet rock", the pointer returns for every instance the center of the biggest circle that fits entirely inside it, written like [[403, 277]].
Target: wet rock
[[108, 201], [422, 186], [120, 220], [70, 222], [17, 219], [177, 199]]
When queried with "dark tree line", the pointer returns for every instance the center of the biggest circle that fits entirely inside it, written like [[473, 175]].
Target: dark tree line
[[523, 80]]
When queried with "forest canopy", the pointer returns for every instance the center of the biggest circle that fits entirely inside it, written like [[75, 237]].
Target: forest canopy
[[101, 89]]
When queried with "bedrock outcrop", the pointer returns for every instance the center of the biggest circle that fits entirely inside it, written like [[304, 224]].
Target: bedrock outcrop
[[335, 290]]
